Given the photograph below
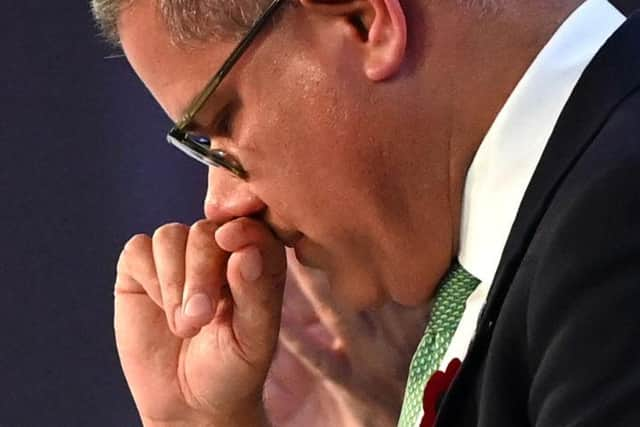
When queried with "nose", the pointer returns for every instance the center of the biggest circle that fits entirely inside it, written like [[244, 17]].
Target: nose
[[229, 197]]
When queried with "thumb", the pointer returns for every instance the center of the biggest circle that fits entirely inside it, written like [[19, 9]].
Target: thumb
[[256, 273]]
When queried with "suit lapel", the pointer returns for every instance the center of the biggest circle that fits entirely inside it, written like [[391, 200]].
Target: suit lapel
[[612, 75], [626, 6]]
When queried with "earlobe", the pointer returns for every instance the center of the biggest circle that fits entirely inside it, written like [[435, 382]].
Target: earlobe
[[380, 24], [387, 39]]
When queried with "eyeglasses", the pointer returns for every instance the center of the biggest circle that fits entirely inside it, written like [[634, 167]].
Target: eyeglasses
[[199, 146]]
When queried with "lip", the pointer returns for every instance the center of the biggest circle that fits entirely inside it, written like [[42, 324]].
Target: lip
[[288, 238], [298, 242]]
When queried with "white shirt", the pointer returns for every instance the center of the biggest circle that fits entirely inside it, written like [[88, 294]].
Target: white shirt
[[508, 155]]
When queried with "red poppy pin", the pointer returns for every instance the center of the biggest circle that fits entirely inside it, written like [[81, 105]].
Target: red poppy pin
[[436, 387]]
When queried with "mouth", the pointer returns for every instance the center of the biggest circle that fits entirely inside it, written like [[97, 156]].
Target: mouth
[[296, 241], [288, 238]]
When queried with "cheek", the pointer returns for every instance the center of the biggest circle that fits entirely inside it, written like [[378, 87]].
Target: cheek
[[322, 164], [316, 168], [309, 141]]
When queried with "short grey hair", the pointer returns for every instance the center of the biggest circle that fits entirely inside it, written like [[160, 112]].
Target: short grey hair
[[187, 20], [201, 20]]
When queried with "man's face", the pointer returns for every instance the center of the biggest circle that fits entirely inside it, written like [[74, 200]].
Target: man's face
[[331, 155]]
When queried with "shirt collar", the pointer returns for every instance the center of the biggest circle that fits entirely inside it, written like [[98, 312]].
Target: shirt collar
[[508, 155]]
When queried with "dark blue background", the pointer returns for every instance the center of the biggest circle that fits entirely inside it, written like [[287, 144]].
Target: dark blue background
[[83, 166]]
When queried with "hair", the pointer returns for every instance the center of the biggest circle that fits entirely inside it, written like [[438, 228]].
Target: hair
[[187, 20], [201, 20]]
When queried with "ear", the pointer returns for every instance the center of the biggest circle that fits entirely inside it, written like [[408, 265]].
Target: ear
[[380, 25]]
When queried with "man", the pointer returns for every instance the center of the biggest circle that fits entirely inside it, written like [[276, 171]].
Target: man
[[382, 140]]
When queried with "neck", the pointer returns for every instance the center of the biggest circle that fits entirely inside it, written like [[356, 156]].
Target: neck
[[494, 53]]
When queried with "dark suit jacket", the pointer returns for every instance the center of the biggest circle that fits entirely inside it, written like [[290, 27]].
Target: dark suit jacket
[[626, 6], [558, 342]]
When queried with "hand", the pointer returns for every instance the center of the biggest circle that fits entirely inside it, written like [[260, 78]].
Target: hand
[[335, 366], [203, 361]]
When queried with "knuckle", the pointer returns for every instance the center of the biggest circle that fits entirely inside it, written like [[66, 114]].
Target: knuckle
[[122, 283], [203, 226], [134, 245], [168, 231], [130, 249]]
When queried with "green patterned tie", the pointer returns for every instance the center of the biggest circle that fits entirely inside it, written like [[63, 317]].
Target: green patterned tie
[[446, 313]]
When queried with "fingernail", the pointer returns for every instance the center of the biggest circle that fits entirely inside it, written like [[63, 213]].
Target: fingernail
[[251, 267], [199, 305]]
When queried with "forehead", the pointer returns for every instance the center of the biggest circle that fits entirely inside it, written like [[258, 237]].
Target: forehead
[[174, 74]]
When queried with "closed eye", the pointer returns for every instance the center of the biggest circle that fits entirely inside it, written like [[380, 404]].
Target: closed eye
[[218, 127], [223, 123]]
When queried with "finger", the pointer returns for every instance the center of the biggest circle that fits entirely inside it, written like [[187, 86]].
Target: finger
[[204, 276], [256, 273], [341, 322], [136, 261], [144, 342], [147, 349], [169, 243], [296, 306], [322, 362], [241, 232], [289, 387]]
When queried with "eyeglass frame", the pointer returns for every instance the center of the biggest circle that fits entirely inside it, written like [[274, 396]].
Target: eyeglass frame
[[198, 147]]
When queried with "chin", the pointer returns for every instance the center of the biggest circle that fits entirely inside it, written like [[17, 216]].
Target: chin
[[350, 284], [357, 290]]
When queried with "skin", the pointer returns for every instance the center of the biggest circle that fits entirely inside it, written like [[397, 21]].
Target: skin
[[357, 146], [324, 372]]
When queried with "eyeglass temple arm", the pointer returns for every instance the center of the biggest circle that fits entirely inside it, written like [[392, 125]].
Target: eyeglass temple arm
[[197, 103]]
